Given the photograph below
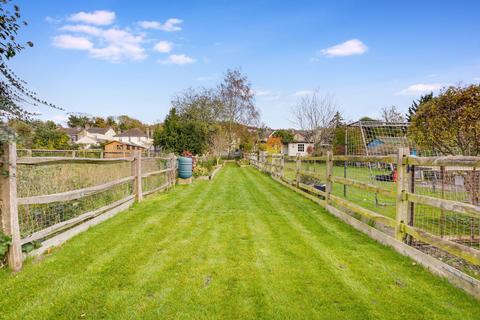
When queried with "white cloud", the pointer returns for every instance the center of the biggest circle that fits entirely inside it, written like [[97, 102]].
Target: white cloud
[[180, 59], [83, 28], [303, 93], [112, 44], [121, 44], [476, 79], [98, 17], [66, 41], [347, 48], [171, 25], [419, 88], [163, 46]]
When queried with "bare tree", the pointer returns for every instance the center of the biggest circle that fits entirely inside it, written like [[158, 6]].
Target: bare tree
[[238, 108], [391, 114], [314, 113], [218, 143]]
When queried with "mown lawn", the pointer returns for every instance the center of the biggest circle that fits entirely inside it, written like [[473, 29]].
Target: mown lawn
[[241, 246]]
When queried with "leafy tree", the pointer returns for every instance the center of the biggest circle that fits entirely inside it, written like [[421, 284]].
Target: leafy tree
[[199, 105], [14, 93], [237, 103], [286, 136], [79, 120], [180, 135], [24, 131], [274, 145], [338, 141], [47, 136], [449, 123], [416, 104], [100, 122], [126, 123]]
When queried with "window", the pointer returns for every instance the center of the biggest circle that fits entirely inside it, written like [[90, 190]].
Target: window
[[301, 147], [119, 147]]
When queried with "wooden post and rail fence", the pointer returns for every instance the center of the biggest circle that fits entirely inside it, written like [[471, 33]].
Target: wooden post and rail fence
[[59, 232], [405, 199]]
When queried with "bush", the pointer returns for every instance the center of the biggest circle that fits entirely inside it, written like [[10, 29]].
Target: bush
[[200, 171], [4, 244]]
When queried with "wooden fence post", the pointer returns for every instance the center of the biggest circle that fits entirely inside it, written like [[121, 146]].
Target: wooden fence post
[[297, 171], [10, 222], [282, 166], [328, 185], [137, 172], [401, 215]]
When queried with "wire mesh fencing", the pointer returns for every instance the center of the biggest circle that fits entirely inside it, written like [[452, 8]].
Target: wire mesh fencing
[[431, 203], [56, 194]]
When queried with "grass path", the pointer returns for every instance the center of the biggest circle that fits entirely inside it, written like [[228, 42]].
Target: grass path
[[241, 246]]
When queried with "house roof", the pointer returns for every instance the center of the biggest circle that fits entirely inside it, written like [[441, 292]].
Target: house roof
[[127, 143], [71, 131], [135, 132], [87, 140], [98, 130]]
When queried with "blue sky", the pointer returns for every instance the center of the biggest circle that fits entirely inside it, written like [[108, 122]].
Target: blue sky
[[108, 57]]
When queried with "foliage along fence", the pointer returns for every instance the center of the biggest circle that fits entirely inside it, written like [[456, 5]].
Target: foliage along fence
[[48, 199], [427, 204]]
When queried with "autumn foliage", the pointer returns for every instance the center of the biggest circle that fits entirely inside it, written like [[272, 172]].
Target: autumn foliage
[[274, 145]]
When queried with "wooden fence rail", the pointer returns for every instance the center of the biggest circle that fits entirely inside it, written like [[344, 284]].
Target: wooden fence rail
[[404, 197], [61, 231]]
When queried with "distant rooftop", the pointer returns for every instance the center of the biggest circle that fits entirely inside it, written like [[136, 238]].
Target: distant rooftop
[[135, 132]]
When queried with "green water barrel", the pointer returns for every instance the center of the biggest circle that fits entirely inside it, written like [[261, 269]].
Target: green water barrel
[[184, 167]]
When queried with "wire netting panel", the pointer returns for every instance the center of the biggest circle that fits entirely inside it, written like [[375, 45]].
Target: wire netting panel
[[289, 168], [375, 138], [461, 184], [80, 153], [155, 181], [36, 217], [153, 164], [377, 174], [313, 172], [35, 180]]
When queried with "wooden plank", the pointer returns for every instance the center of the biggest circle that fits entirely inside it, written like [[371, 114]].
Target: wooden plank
[[64, 236], [329, 174], [9, 201], [74, 194], [137, 172], [401, 212], [57, 160], [379, 159], [469, 254], [452, 161], [162, 187], [316, 175], [324, 158], [448, 205], [363, 185], [312, 189], [66, 224], [303, 193], [152, 173], [298, 168], [363, 211], [214, 172]]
